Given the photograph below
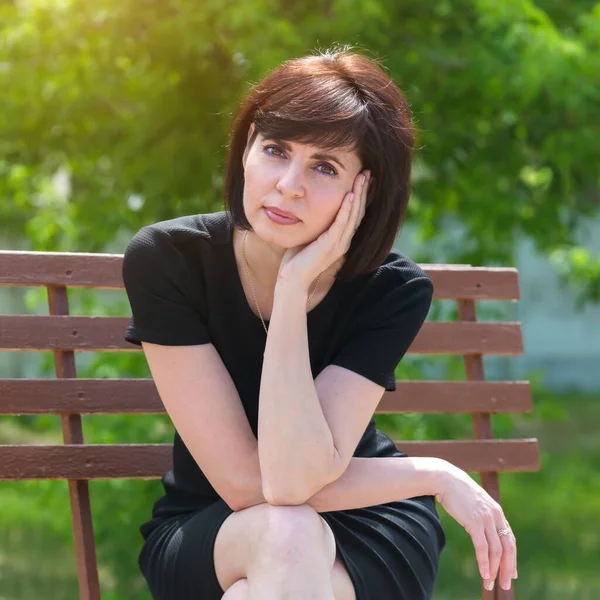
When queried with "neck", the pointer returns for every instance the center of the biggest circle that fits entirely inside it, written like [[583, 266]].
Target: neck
[[263, 258]]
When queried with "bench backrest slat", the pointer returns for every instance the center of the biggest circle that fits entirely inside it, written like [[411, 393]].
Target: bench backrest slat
[[152, 461], [97, 334], [140, 396], [103, 271]]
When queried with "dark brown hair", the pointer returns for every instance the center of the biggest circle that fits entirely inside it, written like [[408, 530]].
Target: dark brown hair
[[334, 99]]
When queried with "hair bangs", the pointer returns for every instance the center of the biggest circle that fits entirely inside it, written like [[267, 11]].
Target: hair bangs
[[330, 118]]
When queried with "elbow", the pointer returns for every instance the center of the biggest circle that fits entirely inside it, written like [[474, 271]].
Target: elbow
[[297, 489], [285, 493], [287, 497], [236, 501]]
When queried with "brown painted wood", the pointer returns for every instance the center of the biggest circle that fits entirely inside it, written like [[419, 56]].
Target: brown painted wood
[[149, 461], [103, 271], [70, 397], [79, 494], [482, 427], [140, 396], [453, 282], [33, 332], [457, 397], [70, 269]]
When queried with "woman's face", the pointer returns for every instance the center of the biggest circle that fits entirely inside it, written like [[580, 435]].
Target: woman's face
[[287, 176]]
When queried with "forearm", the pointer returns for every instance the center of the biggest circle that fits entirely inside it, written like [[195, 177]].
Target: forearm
[[367, 482], [295, 444], [372, 481]]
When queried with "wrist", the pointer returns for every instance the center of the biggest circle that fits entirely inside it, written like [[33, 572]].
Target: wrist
[[444, 476], [290, 288]]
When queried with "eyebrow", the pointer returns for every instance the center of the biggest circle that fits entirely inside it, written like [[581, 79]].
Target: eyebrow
[[317, 155]]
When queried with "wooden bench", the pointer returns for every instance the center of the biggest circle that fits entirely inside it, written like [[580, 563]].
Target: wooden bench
[[70, 397]]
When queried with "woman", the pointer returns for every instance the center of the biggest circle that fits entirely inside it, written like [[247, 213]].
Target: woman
[[272, 330]]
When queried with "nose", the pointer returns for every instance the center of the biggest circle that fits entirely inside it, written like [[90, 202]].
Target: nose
[[291, 180]]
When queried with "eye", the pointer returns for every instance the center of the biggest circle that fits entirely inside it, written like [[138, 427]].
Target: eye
[[328, 166], [332, 172], [268, 146]]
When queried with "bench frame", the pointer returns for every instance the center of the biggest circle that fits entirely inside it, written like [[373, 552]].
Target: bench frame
[[71, 397]]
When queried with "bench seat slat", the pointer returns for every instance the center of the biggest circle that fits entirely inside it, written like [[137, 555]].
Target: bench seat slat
[[140, 396], [150, 461], [33, 332]]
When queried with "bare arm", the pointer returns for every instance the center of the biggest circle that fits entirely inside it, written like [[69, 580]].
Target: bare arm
[[372, 481], [215, 429], [204, 405], [295, 444]]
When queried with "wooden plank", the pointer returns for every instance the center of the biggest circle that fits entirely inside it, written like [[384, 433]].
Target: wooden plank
[[452, 282], [140, 396], [79, 493], [70, 269], [103, 271], [149, 461], [480, 455], [32, 332], [458, 397]]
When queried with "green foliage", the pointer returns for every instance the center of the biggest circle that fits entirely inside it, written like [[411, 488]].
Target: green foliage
[[132, 101]]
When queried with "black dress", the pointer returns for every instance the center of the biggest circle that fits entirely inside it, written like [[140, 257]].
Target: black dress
[[184, 288]]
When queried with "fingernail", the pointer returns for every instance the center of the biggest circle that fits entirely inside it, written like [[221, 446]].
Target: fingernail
[[364, 179], [490, 586]]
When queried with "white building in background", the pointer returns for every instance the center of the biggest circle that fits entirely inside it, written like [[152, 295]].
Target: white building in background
[[562, 342], [559, 339]]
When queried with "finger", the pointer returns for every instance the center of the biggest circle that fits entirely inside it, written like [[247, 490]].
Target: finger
[[360, 184], [363, 200], [343, 217], [481, 551], [509, 559], [343, 225], [365, 195], [495, 548]]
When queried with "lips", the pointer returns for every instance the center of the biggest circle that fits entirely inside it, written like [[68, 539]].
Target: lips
[[282, 213]]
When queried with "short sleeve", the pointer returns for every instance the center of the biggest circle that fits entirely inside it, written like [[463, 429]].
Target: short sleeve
[[384, 330], [163, 292]]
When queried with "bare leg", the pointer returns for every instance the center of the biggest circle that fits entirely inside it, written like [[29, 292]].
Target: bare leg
[[238, 591], [292, 561], [255, 539]]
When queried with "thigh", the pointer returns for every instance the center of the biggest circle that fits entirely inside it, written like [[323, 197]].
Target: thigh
[[343, 588]]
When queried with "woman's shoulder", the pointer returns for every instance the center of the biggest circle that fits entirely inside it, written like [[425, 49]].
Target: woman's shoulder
[[213, 227], [399, 270], [397, 283]]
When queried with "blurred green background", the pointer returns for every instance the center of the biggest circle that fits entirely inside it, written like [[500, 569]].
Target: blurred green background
[[115, 113]]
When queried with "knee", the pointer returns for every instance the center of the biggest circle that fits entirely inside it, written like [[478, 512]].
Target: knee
[[285, 526]]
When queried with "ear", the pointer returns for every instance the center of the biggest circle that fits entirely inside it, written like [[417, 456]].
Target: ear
[[245, 156]]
